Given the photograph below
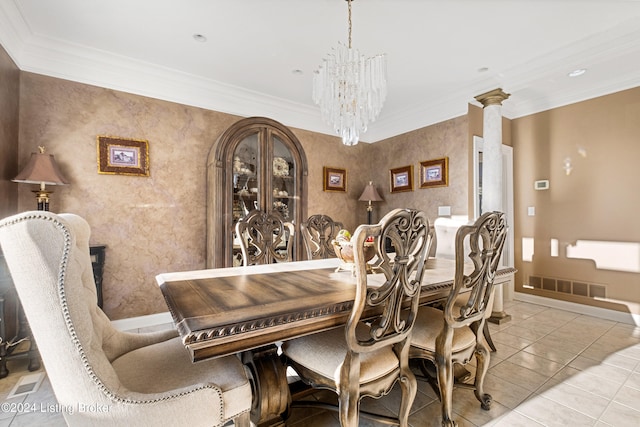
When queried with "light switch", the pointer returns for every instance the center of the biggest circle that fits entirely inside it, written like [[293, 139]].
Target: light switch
[[531, 211], [444, 210]]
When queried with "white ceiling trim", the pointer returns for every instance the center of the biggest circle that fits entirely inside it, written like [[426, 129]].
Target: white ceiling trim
[[56, 58]]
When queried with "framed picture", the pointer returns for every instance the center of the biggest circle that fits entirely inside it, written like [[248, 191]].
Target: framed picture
[[434, 173], [123, 156], [335, 179], [402, 179]]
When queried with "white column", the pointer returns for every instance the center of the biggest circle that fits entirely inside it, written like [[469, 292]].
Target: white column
[[492, 174]]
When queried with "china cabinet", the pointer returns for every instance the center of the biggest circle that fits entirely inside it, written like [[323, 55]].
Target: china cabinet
[[258, 163]]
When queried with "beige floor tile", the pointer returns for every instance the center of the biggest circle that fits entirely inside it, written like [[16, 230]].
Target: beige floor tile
[[505, 392], [514, 341], [524, 332], [577, 399], [514, 419], [536, 363], [431, 416], [503, 352], [517, 374], [629, 397], [632, 351], [468, 407], [620, 416], [552, 353], [634, 380], [553, 414], [588, 382], [581, 338], [563, 343], [607, 372], [528, 308]]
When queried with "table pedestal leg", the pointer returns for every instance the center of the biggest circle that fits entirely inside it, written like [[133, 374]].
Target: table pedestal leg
[[271, 396]]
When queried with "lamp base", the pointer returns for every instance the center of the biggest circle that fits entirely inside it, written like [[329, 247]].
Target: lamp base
[[42, 197], [369, 213]]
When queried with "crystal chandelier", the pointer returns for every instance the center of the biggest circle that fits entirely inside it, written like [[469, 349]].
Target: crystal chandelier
[[350, 89]]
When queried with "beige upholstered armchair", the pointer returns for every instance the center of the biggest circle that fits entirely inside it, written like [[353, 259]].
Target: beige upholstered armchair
[[133, 379], [370, 354]]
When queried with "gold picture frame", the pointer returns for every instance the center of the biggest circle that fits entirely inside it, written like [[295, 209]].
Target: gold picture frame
[[335, 179], [434, 173], [122, 156], [401, 179]]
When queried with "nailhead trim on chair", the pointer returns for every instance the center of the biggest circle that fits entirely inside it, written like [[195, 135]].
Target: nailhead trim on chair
[[72, 331]]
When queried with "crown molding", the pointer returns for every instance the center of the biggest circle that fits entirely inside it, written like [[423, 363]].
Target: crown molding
[[56, 58]]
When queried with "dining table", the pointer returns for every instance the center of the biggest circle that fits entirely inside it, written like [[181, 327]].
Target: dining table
[[249, 310]]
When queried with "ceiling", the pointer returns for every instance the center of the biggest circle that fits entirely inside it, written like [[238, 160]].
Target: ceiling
[[259, 55]]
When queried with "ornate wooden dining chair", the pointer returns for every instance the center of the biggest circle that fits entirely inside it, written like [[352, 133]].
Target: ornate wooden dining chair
[[318, 231], [454, 335], [370, 354], [123, 378], [264, 238]]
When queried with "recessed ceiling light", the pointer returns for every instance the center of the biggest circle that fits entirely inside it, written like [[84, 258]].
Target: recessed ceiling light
[[199, 38], [483, 69], [297, 72], [578, 72]]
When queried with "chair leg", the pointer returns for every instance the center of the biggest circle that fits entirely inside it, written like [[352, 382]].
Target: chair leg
[[243, 420], [409, 388], [482, 357], [349, 409], [487, 336], [445, 383]]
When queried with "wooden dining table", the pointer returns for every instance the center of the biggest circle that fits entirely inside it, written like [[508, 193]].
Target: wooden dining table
[[249, 310]]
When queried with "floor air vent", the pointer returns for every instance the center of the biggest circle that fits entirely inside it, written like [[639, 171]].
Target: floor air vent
[[578, 288]]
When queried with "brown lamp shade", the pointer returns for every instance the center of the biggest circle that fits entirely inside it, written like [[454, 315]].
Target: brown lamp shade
[[370, 194], [42, 168]]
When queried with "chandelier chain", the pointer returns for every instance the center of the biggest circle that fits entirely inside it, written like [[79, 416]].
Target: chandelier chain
[[350, 22]]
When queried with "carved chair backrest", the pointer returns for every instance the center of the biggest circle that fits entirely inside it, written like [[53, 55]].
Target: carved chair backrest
[[484, 240], [264, 238], [318, 231], [396, 300]]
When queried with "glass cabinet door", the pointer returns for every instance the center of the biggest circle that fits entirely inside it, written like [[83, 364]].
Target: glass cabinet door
[[283, 183], [256, 164], [246, 177]]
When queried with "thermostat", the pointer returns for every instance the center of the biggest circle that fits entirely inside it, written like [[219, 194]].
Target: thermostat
[[542, 184]]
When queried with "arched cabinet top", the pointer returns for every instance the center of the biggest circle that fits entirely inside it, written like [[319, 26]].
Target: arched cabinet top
[[226, 144]]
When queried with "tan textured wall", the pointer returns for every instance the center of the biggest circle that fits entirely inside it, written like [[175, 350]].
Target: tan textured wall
[[322, 150], [9, 125], [157, 224], [150, 224], [446, 139], [599, 200]]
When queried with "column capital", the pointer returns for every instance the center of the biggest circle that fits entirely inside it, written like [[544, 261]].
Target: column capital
[[494, 97]]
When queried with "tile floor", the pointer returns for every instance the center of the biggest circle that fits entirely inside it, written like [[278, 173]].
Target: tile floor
[[552, 368]]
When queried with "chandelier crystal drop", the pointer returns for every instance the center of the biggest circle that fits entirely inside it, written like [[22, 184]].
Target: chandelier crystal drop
[[350, 89]]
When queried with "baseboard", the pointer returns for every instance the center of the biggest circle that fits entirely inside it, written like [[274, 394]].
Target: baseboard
[[603, 313], [146, 321]]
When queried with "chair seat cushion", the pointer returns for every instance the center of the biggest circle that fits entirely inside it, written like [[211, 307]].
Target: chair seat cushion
[[324, 353], [429, 323], [167, 366]]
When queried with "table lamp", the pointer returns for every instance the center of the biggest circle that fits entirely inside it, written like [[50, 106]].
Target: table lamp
[[41, 169], [370, 194]]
